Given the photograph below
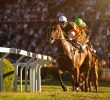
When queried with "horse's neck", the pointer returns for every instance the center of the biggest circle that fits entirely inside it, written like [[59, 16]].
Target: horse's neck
[[63, 45]]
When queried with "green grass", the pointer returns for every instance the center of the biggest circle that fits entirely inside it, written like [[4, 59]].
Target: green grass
[[53, 91]]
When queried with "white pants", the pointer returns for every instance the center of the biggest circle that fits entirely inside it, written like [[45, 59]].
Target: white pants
[[71, 35]]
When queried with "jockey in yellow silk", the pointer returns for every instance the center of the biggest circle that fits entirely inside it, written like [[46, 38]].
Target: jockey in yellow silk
[[83, 37], [80, 23], [71, 31]]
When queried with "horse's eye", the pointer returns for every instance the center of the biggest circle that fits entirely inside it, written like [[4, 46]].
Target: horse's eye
[[54, 28]]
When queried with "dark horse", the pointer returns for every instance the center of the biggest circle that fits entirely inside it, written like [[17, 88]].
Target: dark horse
[[70, 59]]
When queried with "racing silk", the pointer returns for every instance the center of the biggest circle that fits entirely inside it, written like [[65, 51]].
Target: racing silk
[[83, 37], [72, 30]]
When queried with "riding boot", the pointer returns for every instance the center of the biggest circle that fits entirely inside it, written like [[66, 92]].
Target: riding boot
[[91, 48], [76, 45]]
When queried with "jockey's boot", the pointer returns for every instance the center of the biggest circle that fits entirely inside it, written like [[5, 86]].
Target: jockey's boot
[[79, 46], [76, 45], [91, 48]]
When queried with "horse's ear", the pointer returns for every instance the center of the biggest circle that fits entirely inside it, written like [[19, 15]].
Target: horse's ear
[[53, 22]]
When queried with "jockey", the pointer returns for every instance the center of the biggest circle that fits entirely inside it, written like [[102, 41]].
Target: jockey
[[80, 23], [84, 37], [72, 31]]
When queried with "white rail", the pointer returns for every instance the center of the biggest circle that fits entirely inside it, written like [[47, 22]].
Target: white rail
[[34, 67]]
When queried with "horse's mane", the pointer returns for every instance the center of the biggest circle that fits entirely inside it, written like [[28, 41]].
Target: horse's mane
[[65, 37]]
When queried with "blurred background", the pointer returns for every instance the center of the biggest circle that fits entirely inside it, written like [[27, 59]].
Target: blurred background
[[25, 24]]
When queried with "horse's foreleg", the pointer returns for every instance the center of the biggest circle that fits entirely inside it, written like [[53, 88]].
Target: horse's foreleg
[[61, 82], [86, 80], [82, 86], [89, 85], [96, 75], [77, 78], [82, 82], [73, 82], [96, 81]]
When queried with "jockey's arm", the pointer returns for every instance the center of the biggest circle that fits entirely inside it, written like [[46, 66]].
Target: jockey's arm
[[74, 31]]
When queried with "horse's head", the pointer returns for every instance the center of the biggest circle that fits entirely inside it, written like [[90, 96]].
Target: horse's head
[[56, 33]]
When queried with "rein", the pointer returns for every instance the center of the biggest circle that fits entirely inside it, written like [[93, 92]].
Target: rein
[[64, 38], [61, 39]]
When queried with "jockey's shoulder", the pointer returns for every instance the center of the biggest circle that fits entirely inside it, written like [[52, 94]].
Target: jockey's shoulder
[[73, 24]]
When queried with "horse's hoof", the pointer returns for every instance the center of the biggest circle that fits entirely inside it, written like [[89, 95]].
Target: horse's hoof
[[90, 90], [82, 89], [65, 89], [73, 90], [86, 90], [77, 89]]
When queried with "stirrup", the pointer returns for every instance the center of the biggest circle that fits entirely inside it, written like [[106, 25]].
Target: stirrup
[[81, 49], [93, 50]]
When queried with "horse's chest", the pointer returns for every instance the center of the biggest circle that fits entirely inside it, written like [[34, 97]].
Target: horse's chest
[[64, 62]]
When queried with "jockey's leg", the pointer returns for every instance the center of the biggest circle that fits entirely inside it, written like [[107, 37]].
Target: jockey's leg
[[75, 45], [79, 45], [91, 47]]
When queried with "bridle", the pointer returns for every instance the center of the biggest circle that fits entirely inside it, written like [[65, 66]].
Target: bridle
[[58, 38]]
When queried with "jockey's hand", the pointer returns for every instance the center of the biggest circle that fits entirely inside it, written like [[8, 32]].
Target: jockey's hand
[[66, 36]]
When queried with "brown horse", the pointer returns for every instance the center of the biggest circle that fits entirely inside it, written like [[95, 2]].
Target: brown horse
[[69, 58], [93, 77], [93, 73]]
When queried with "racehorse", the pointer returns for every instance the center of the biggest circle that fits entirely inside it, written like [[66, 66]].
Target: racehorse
[[69, 58], [93, 74]]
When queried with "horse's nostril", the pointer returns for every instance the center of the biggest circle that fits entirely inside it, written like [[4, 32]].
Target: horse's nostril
[[51, 38]]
